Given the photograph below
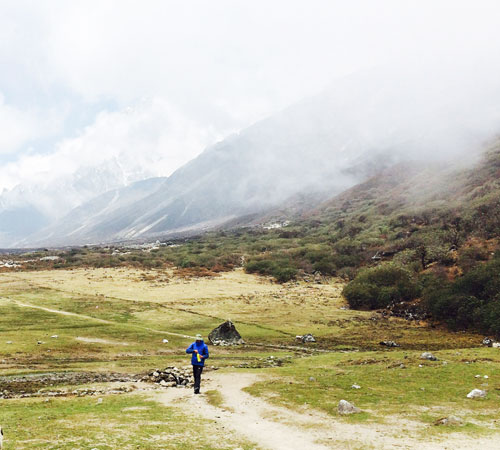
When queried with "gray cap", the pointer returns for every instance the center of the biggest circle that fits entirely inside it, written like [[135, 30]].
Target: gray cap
[[199, 337]]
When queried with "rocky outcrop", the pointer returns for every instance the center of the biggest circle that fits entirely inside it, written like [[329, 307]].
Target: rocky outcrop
[[225, 334]]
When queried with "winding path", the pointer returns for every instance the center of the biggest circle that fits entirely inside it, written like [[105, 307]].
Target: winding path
[[278, 428]]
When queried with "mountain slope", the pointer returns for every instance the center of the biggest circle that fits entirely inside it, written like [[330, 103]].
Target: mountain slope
[[317, 147]]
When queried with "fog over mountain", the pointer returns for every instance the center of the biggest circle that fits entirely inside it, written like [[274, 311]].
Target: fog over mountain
[[133, 120], [321, 145]]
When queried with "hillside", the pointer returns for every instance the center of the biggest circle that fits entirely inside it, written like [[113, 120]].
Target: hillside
[[315, 148]]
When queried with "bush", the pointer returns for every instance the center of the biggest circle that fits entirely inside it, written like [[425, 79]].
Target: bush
[[282, 270], [380, 286], [470, 302]]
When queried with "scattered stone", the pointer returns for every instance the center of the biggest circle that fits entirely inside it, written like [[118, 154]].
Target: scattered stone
[[389, 343], [55, 336], [345, 408], [312, 379], [308, 338], [450, 420], [407, 310], [99, 401], [225, 334], [9, 342], [165, 341], [486, 376], [420, 365], [428, 356], [496, 345], [488, 341], [476, 393], [477, 376], [356, 386]]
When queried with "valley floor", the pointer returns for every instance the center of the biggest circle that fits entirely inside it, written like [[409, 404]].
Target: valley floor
[[71, 337]]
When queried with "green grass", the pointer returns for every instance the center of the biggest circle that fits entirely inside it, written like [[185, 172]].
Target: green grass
[[269, 316], [214, 398], [119, 422], [420, 393]]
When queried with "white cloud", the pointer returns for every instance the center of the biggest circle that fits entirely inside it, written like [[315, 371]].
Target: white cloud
[[149, 139], [210, 68], [22, 126]]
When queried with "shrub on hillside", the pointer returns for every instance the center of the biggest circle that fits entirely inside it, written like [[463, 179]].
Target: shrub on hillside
[[470, 302], [380, 286], [282, 270]]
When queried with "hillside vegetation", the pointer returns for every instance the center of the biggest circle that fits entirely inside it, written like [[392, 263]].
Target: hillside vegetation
[[418, 225]]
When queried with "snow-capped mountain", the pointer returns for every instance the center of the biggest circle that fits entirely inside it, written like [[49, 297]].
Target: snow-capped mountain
[[27, 208]]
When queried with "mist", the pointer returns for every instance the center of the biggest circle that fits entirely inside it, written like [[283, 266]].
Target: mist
[[243, 107]]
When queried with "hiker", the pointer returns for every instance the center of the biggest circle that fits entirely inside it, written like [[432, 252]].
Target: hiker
[[199, 352]]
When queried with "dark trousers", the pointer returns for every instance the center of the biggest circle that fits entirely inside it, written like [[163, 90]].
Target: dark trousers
[[197, 370]]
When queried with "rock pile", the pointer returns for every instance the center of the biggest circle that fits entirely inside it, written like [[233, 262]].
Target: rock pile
[[171, 377], [26, 385], [225, 334]]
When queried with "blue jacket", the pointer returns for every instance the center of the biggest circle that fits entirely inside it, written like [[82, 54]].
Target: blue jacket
[[202, 350]]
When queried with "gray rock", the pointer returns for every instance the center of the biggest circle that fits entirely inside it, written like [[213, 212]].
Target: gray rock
[[308, 338], [488, 341], [345, 408], [428, 356], [225, 334], [476, 393]]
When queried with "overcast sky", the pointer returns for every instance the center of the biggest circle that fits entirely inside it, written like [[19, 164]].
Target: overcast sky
[[154, 82]]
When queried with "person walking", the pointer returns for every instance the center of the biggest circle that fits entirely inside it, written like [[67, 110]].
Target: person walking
[[199, 351]]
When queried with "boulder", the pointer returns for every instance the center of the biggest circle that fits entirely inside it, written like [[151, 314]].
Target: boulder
[[225, 334], [308, 338], [476, 393], [428, 356], [488, 341], [347, 408]]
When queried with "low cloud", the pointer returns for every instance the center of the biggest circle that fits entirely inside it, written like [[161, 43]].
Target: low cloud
[[20, 127]]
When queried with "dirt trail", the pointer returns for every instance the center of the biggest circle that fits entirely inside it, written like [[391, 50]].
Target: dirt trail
[[278, 428], [95, 319]]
